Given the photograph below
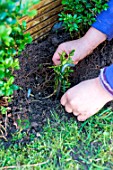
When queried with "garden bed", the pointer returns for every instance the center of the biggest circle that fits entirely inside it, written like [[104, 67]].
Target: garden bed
[[30, 114], [36, 75]]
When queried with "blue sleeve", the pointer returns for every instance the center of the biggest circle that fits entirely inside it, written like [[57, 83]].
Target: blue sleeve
[[109, 75], [106, 77], [104, 21]]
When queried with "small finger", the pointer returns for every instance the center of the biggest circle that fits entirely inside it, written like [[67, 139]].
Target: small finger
[[75, 62], [56, 57], [82, 117], [63, 100], [68, 108], [56, 60], [76, 113]]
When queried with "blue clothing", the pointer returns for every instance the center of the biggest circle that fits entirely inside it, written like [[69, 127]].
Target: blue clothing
[[109, 75], [104, 23]]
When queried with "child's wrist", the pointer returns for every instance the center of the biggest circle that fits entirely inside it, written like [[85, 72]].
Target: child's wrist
[[94, 37]]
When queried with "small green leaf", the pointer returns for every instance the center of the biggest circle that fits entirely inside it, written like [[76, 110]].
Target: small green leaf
[[3, 110], [24, 24], [3, 15], [1, 83], [72, 53], [32, 13], [10, 81], [2, 74], [15, 87], [2, 92], [11, 20], [9, 92]]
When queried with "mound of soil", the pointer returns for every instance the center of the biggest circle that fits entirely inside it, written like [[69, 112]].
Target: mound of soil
[[36, 75]]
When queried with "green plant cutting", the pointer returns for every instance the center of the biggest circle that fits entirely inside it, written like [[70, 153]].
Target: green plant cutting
[[62, 72]]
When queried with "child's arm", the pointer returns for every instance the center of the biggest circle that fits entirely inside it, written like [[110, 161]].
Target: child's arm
[[104, 21], [104, 24]]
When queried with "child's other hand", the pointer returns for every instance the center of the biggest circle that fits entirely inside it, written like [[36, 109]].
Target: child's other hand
[[85, 99]]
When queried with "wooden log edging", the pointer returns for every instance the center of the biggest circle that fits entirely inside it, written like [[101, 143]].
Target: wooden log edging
[[47, 16]]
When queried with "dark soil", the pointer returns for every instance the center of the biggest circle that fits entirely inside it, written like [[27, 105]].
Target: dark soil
[[36, 75]]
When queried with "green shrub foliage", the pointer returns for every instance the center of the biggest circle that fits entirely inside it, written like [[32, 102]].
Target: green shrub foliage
[[78, 15], [12, 40]]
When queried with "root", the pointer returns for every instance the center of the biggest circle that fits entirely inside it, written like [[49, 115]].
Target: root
[[3, 132], [4, 101], [3, 128], [47, 97]]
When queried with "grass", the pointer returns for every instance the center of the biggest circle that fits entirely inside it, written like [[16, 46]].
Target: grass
[[65, 145]]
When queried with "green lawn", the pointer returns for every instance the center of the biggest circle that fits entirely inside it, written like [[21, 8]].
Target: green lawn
[[65, 144]]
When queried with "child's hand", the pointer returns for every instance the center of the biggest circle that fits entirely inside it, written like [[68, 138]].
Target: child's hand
[[83, 46], [82, 49], [85, 99]]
